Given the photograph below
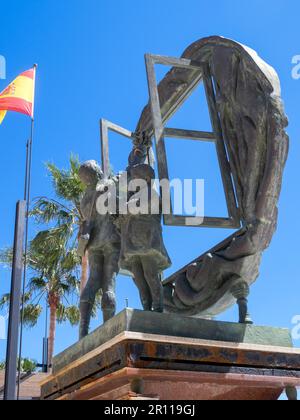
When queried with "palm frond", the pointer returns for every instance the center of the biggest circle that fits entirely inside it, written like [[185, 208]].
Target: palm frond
[[4, 301], [67, 183], [37, 284], [6, 257], [45, 211], [73, 315], [70, 261], [31, 315], [73, 281], [68, 313]]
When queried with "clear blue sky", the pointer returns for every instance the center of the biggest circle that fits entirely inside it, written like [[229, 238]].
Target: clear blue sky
[[91, 64]]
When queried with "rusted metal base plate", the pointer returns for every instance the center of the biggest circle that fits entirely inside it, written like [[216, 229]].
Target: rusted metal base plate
[[213, 369]]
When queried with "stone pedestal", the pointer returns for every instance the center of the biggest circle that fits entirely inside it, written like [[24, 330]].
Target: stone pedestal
[[142, 355]]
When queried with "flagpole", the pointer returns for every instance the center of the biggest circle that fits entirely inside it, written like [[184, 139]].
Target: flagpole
[[27, 199], [27, 196], [14, 307]]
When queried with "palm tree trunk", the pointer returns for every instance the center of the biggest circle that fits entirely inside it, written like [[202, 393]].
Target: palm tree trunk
[[53, 304], [84, 271]]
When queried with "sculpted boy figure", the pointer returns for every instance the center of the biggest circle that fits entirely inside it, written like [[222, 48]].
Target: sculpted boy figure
[[101, 239]]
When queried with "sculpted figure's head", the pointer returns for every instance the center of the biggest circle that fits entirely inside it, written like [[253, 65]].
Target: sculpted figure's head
[[138, 155], [143, 171], [90, 173]]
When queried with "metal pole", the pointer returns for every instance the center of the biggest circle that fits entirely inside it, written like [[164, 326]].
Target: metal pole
[[26, 170], [27, 198], [45, 354], [45, 343], [14, 310]]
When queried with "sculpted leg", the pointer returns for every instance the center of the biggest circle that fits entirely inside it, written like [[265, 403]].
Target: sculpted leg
[[142, 285], [153, 279], [291, 393], [108, 285], [87, 298], [241, 292]]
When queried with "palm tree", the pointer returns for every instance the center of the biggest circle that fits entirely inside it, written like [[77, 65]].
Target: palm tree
[[64, 210], [57, 267], [52, 256], [53, 267]]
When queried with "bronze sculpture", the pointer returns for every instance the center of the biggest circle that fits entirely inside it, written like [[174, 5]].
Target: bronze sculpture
[[248, 129], [102, 242]]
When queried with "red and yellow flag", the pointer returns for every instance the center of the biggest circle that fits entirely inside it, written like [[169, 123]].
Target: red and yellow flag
[[19, 95]]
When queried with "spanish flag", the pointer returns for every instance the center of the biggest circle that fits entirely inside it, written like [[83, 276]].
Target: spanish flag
[[19, 95]]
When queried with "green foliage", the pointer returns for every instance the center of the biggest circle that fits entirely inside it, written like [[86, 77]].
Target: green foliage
[[67, 184], [31, 314], [52, 258], [4, 301], [68, 313], [46, 210], [6, 257], [27, 365], [31, 311], [53, 263]]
